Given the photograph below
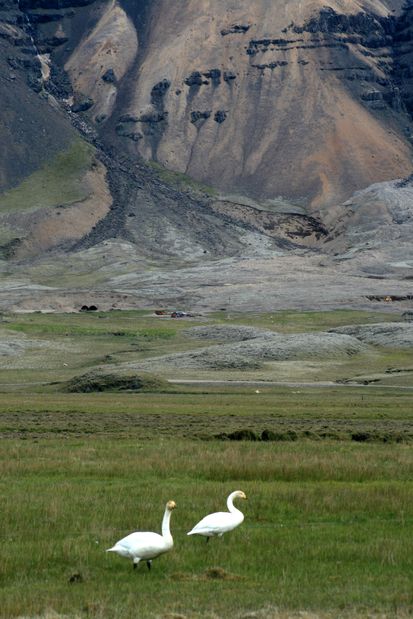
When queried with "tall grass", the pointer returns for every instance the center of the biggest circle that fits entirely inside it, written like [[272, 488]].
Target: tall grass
[[325, 528]]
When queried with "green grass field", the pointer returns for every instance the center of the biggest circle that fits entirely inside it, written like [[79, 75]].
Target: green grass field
[[329, 517], [327, 527]]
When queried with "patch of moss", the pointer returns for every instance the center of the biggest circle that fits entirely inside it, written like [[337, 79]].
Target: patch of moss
[[181, 181], [56, 183]]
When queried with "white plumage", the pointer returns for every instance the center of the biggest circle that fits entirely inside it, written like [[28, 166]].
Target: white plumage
[[145, 545], [221, 522]]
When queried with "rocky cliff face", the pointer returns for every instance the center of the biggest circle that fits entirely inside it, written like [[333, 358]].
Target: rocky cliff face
[[402, 54], [25, 139], [309, 101], [258, 91]]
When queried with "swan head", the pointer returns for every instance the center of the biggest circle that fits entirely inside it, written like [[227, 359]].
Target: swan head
[[239, 494], [170, 505]]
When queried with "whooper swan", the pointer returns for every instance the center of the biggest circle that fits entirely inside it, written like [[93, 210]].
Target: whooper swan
[[146, 545], [220, 522]]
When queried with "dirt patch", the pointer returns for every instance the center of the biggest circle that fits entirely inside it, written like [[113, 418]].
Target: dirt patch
[[218, 573]]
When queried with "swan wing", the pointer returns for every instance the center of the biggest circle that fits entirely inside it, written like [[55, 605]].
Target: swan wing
[[143, 545], [217, 523]]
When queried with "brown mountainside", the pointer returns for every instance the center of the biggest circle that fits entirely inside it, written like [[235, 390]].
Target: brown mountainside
[[306, 100], [265, 98]]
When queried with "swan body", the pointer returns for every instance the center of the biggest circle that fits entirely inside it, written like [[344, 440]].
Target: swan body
[[221, 522], [145, 545]]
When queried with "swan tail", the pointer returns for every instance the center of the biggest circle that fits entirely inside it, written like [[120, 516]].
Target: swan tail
[[198, 532]]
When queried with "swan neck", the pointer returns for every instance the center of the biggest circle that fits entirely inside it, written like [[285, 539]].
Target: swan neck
[[165, 524], [231, 506]]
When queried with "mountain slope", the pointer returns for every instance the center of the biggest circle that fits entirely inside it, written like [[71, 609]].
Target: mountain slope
[[269, 115], [305, 100], [239, 96]]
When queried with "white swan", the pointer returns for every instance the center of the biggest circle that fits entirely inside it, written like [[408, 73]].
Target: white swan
[[220, 522], [146, 545]]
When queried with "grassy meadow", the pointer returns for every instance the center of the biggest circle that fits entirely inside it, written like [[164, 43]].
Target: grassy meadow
[[328, 473], [328, 527]]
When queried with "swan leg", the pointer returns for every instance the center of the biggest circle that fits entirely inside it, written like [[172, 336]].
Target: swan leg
[[207, 539], [135, 563], [149, 564]]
